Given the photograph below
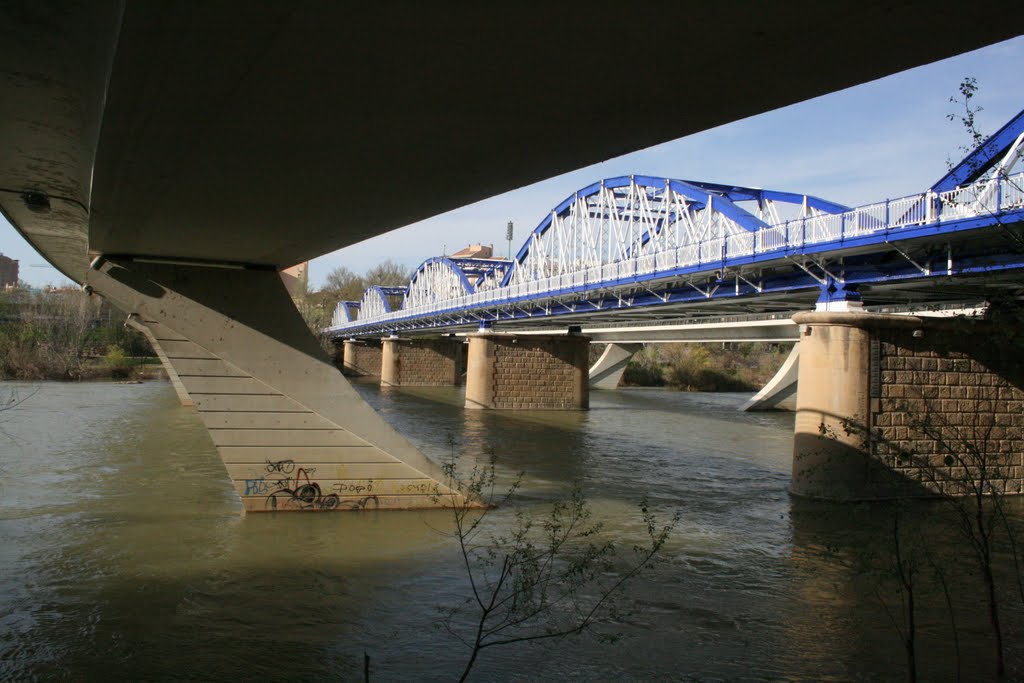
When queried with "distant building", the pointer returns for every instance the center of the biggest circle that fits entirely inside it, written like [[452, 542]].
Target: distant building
[[296, 279], [475, 251], [8, 272]]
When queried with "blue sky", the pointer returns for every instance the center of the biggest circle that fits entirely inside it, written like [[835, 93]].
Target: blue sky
[[887, 138]]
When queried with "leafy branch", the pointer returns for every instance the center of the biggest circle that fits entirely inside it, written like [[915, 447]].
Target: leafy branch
[[547, 577]]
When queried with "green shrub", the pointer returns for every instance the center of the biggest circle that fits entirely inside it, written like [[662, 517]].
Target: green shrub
[[118, 363]]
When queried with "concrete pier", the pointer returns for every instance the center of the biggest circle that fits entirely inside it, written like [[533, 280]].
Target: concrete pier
[[891, 406], [434, 362], [361, 358], [534, 372], [290, 430]]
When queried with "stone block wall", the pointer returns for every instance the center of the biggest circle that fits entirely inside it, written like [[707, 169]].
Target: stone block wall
[[530, 372], [426, 362], [947, 402], [893, 406], [361, 358]]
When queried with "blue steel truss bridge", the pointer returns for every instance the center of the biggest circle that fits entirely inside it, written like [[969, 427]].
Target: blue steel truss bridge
[[646, 249]]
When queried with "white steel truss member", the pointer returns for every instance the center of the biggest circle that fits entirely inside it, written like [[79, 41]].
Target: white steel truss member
[[374, 304], [436, 281], [345, 312], [619, 221]]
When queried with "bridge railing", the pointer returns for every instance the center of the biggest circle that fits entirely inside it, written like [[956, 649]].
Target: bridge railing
[[985, 197]]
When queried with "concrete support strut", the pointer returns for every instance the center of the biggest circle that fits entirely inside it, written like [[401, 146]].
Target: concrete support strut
[[606, 373], [172, 374], [422, 362], [292, 433], [780, 391], [535, 372]]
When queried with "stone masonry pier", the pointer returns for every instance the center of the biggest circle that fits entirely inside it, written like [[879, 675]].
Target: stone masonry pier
[[422, 362], [529, 372], [893, 406], [361, 358]]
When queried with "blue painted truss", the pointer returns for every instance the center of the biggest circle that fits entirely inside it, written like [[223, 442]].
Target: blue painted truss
[[637, 242]]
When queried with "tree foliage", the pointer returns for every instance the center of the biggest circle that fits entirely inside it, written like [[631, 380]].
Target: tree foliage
[[345, 285], [55, 334], [743, 366]]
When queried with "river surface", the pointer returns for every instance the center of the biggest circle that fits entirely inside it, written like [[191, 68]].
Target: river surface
[[124, 553]]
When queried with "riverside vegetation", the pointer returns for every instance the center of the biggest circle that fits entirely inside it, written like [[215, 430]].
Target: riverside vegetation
[[743, 366], [65, 334]]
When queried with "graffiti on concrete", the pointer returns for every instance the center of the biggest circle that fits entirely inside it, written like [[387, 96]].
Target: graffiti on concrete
[[298, 493], [286, 486]]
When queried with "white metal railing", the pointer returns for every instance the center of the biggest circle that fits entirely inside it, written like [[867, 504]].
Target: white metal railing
[[987, 197]]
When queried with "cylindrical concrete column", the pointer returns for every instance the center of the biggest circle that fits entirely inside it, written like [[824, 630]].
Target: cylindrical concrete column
[[831, 444], [348, 357], [389, 362], [480, 372]]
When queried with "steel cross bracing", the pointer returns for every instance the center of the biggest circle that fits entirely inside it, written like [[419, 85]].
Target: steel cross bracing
[[639, 242]]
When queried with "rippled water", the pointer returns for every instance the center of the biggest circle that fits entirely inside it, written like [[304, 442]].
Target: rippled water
[[124, 553]]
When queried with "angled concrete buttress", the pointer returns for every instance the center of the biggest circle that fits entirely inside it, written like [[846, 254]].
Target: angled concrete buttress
[[172, 374], [780, 391], [607, 371], [291, 431]]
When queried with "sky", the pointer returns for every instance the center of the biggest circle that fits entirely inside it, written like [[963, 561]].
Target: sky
[[884, 139]]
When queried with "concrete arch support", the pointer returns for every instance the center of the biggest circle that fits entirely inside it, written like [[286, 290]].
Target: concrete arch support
[[291, 431], [606, 373]]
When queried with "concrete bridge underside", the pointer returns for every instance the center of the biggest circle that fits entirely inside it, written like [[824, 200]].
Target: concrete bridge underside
[[196, 148]]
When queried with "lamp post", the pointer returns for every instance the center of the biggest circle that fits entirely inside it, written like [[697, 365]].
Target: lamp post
[[508, 236]]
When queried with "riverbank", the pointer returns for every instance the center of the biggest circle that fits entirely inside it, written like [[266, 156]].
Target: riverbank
[[64, 334], [44, 365]]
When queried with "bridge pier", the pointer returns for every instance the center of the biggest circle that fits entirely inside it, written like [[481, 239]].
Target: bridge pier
[[422, 362], [528, 372], [892, 406], [361, 358], [292, 432]]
